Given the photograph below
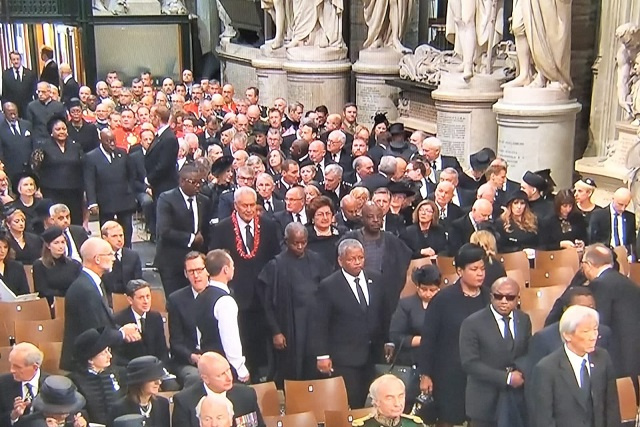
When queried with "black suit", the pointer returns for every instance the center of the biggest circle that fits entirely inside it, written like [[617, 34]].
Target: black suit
[[465, 197], [159, 416], [153, 340], [600, 228], [84, 309], [9, 390], [343, 189], [20, 92], [70, 89], [244, 399], [282, 219], [39, 115], [277, 205], [182, 325], [225, 205], [50, 74], [394, 224], [351, 336], [450, 162], [128, 267], [15, 150], [559, 402], [452, 213], [79, 235], [485, 357], [174, 230], [373, 182], [109, 185], [460, 232], [14, 277], [160, 163]]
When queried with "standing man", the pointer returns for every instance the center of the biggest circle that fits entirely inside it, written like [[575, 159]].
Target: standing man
[[16, 144], [431, 150], [18, 84], [181, 219], [575, 385], [127, 265], [70, 87], [346, 327], [109, 175], [41, 111], [494, 358], [350, 118], [614, 225], [160, 159], [295, 210], [49, 72]]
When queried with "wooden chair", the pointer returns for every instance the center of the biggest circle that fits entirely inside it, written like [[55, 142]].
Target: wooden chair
[[39, 331], [548, 260], [169, 396], [623, 259], [537, 316], [409, 285], [316, 396], [11, 312], [268, 400], [634, 272], [58, 305], [523, 279], [515, 261], [119, 302], [446, 265], [28, 271], [4, 359], [304, 419], [165, 324], [556, 276], [51, 362], [540, 298], [344, 419], [449, 279], [627, 399], [158, 301]]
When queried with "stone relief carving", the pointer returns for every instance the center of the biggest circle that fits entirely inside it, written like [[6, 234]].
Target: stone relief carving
[[227, 28], [628, 70], [121, 7]]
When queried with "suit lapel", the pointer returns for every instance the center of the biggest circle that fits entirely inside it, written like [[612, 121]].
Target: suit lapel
[[566, 372], [351, 296]]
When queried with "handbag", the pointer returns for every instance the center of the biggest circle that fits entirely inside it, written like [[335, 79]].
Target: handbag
[[408, 374]]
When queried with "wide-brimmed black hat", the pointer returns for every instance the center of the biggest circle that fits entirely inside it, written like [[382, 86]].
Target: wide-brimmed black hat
[[260, 127], [401, 187], [535, 180], [307, 162], [93, 341], [52, 233], [225, 127], [221, 165], [396, 129], [129, 420], [481, 160], [517, 195], [21, 176], [144, 369], [58, 395], [546, 174]]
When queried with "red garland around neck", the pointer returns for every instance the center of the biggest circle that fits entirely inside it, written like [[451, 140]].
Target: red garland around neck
[[238, 236]]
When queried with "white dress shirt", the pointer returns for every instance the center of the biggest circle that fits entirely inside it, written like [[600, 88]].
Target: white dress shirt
[[576, 363], [243, 230], [351, 280], [620, 227], [456, 199], [95, 278], [138, 317], [194, 203], [15, 126], [35, 381], [303, 216], [500, 322], [74, 250]]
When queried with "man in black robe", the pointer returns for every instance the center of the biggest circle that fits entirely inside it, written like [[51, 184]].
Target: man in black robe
[[291, 280]]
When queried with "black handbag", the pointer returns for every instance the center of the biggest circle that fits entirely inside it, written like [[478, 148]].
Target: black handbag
[[408, 374]]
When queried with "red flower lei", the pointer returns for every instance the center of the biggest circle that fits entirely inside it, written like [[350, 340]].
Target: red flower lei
[[240, 244]]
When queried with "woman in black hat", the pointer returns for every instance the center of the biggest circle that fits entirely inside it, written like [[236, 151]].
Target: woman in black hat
[[60, 169], [26, 187], [26, 246], [380, 125], [567, 228], [221, 181], [57, 401], [94, 376], [518, 225], [11, 271], [54, 272], [425, 237], [144, 377]]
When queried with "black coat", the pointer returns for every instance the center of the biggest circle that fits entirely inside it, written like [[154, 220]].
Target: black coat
[[15, 150], [406, 323], [453, 212], [394, 224], [50, 74], [558, 400], [39, 115], [159, 416], [30, 252], [109, 184], [153, 340], [460, 232], [70, 89], [101, 391], [416, 240], [182, 325], [552, 231], [516, 239], [61, 171], [600, 225], [160, 163], [19, 92], [373, 182], [10, 390], [55, 281], [86, 135], [129, 267], [136, 155], [244, 399], [15, 277], [485, 358]]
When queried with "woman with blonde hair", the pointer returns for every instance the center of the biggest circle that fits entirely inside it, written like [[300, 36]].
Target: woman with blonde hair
[[492, 266], [518, 225], [361, 195]]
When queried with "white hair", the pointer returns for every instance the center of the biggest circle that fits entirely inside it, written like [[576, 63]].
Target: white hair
[[347, 244], [378, 382], [333, 169], [573, 317], [241, 191], [434, 142], [388, 165], [215, 399]]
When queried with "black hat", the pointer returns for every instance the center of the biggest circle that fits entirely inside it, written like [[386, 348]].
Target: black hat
[[146, 368], [92, 341], [535, 180], [396, 129], [401, 187], [426, 275], [221, 165], [307, 162], [21, 176], [587, 183], [468, 254], [380, 118], [129, 420], [42, 208], [51, 234], [517, 195], [225, 127], [55, 119], [58, 395], [74, 102], [481, 160], [261, 128], [546, 174]]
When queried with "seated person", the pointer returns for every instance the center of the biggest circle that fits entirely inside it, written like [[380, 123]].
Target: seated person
[[425, 237], [11, 271], [567, 227], [518, 225], [126, 266]]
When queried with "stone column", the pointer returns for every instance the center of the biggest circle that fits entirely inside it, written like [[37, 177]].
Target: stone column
[[466, 122], [272, 79], [535, 131]]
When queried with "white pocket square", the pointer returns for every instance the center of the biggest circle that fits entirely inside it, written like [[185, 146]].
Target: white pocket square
[[27, 133]]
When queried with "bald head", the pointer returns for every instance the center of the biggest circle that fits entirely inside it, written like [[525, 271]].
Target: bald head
[[97, 255], [487, 192], [481, 210], [621, 199]]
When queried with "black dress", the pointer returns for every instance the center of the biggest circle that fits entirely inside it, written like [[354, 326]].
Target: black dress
[[556, 230], [440, 349], [407, 321], [101, 391], [14, 277], [32, 223], [587, 219], [158, 417], [515, 240], [54, 281], [327, 246], [417, 240], [493, 270], [31, 251]]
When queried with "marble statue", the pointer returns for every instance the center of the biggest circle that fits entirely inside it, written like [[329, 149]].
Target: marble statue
[[475, 28], [121, 7], [227, 29], [281, 11], [426, 64], [172, 7], [317, 23], [387, 22], [542, 30], [628, 79]]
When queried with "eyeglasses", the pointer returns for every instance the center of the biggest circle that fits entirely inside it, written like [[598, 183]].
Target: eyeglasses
[[291, 199], [194, 181], [195, 271], [500, 297], [244, 178]]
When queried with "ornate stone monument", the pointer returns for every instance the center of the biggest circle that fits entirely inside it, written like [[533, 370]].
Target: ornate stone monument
[[138, 7]]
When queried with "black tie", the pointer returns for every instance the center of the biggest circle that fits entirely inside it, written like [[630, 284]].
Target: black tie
[[298, 218], [14, 129], [105, 299], [29, 393], [190, 208], [585, 379], [249, 242], [267, 206], [142, 324], [433, 165], [361, 299], [508, 337], [18, 75]]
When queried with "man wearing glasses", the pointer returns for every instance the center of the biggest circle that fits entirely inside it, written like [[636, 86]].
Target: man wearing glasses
[[493, 348]]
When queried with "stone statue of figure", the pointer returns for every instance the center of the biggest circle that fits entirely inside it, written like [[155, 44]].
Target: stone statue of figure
[[121, 7], [475, 28], [317, 23], [281, 11], [227, 31], [628, 36], [542, 29], [387, 22]]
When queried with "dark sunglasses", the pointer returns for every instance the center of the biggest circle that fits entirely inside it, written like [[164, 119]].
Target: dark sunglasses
[[509, 298]]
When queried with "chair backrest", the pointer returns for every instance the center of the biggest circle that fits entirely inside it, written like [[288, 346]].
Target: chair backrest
[[4, 359], [623, 259], [52, 352], [634, 272], [446, 265], [119, 302], [555, 276], [344, 419], [268, 399], [158, 301], [537, 316], [547, 260], [58, 305], [39, 331], [515, 261], [522, 278], [627, 399], [304, 419], [540, 298], [11, 312], [169, 396], [409, 285], [28, 271], [449, 279], [316, 396]]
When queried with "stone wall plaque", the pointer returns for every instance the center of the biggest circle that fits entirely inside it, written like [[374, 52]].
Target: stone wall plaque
[[454, 132]]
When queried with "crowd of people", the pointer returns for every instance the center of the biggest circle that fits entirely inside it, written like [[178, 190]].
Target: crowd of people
[[283, 237]]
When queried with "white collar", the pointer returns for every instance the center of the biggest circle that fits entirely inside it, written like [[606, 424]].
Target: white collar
[[242, 224], [94, 276], [137, 316], [220, 285], [162, 129], [67, 78], [574, 359], [351, 278], [499, 316], [35, 381], [107, 155], [211, 392]]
